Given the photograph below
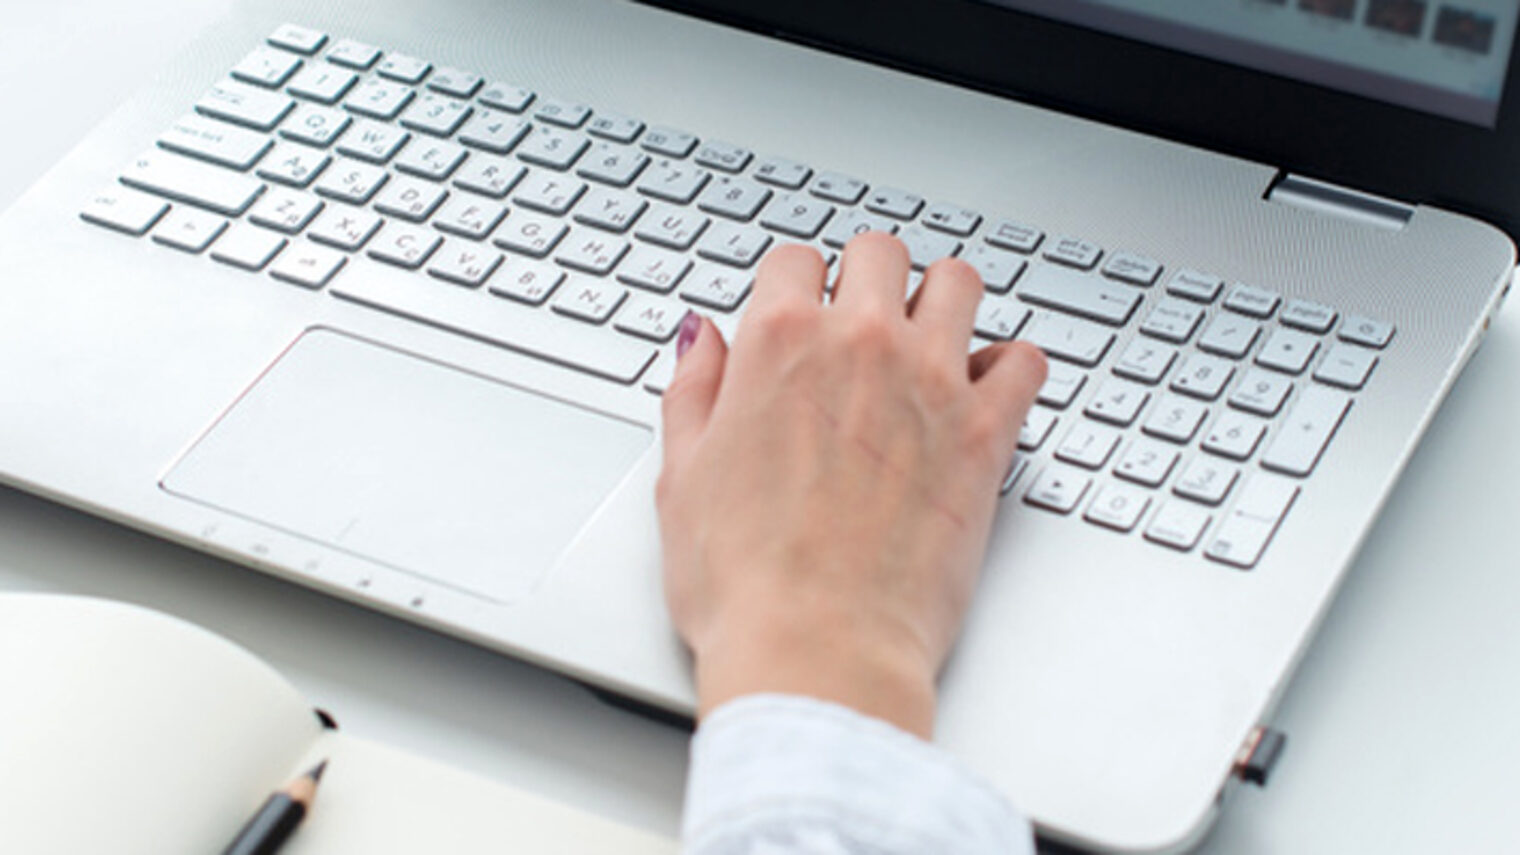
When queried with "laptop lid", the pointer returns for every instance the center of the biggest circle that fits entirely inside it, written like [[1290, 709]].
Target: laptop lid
[[1414, 100]]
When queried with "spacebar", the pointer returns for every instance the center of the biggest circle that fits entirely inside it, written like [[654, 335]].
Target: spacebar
[[534, 332]]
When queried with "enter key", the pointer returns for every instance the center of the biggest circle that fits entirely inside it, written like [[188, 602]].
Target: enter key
[[1080, 293]]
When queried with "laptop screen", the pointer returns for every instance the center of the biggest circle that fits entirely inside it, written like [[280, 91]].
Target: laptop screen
[[1449, 59]]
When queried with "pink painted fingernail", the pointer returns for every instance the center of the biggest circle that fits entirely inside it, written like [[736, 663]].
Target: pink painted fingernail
[[690, 326]]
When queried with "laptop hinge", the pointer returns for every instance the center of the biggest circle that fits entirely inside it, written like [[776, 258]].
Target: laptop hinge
[[1342, 202]]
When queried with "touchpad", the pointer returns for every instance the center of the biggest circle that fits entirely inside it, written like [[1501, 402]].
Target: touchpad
[[411, 463]]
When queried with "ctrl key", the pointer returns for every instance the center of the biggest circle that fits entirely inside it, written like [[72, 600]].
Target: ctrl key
[[1246, 530], [124, 210]]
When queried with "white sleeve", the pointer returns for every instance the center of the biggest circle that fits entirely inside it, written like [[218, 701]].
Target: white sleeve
[[783, 774]]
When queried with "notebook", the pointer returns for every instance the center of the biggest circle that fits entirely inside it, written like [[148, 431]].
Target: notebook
[[382, 301]]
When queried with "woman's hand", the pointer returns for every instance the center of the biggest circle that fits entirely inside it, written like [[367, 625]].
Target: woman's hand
[[829, 482]]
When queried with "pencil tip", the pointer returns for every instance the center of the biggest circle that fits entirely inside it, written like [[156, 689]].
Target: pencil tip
[[316, 772]]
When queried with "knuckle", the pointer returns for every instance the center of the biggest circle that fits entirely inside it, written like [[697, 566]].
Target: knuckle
[[868, 332]]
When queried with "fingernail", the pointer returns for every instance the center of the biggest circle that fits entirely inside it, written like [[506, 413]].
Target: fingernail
[[690, 326]]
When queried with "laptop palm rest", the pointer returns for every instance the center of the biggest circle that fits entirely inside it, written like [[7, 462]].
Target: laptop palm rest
[[410, 463]]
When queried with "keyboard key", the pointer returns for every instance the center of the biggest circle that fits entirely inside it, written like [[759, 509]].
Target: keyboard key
[[1000, 319], [590, 300], [1306, 431], [1256, 302], [1346, 366], [926, 247], [1206, 479], [1037, 428], [616, 127], [736, 198], [724, 156], [1199, 287], [836, 187], [554, 148], [1288, 350], [1249, 526], [674, 181], [548, 192], [528, 282], [410, 199], [404, 245], [1131, 268], [1088, 444], [717, 287], [464, 263], [314, 125], [248, 247], [188, 229], [344, 227], [124, 210], [566, 114], [1202, 376], [669, 142], [1015, 469], [654, 318], [608, 209], [796, 215], [1117, 402], [1234, 435], [1059, 488], [283, 210], [1178, 524], [302, 40], [894, 203], [436, 114], [1074, 252], [854, 222], [1148, 462], [308, 265], [658, 378], [505, 96], [432, 159], [404, 69], [186, 180], [513, 326], [1068, 338], [266, 67], [1361, 330], [293, 164], [1173, 320], [1081, 294], [1261, 392], [1015, 236], [379, 99], [653, 269], [353, 54], [1229, 335], [494, 131], [530, 234], [217, 142], [324, 84], [1062, 383], [370, 140], [454, 82], [591, 251], [1175, 418], [952, 219], [669, 226], [1145, 360], [351, 181], [787, 174], [1305, 315], [613, 164], [999, 269], [733, 244], [469, 216], [1118, 507], [245, 105], [489, 175]]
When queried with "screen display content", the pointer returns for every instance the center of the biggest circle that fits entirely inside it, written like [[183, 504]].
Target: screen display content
[[1449, 59]]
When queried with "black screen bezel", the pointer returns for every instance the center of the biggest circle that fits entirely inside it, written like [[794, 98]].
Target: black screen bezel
[[1393, 151]]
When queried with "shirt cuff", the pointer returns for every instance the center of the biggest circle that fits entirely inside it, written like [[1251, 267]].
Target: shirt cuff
[[767, 759]]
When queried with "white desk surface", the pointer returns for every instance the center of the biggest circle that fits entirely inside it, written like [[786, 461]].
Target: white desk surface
[[1401, 721]]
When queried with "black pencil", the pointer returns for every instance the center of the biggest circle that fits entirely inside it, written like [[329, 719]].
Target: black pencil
[[268, 829]]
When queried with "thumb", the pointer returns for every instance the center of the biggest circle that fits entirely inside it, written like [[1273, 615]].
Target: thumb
[[689, 399]]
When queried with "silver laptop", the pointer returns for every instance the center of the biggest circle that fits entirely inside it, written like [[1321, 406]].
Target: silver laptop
[[380, 299]]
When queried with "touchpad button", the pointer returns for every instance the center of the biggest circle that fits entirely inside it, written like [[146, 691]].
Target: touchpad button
[[411, 463]]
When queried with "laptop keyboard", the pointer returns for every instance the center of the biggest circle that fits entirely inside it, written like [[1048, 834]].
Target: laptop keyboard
[[1180, 408]]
